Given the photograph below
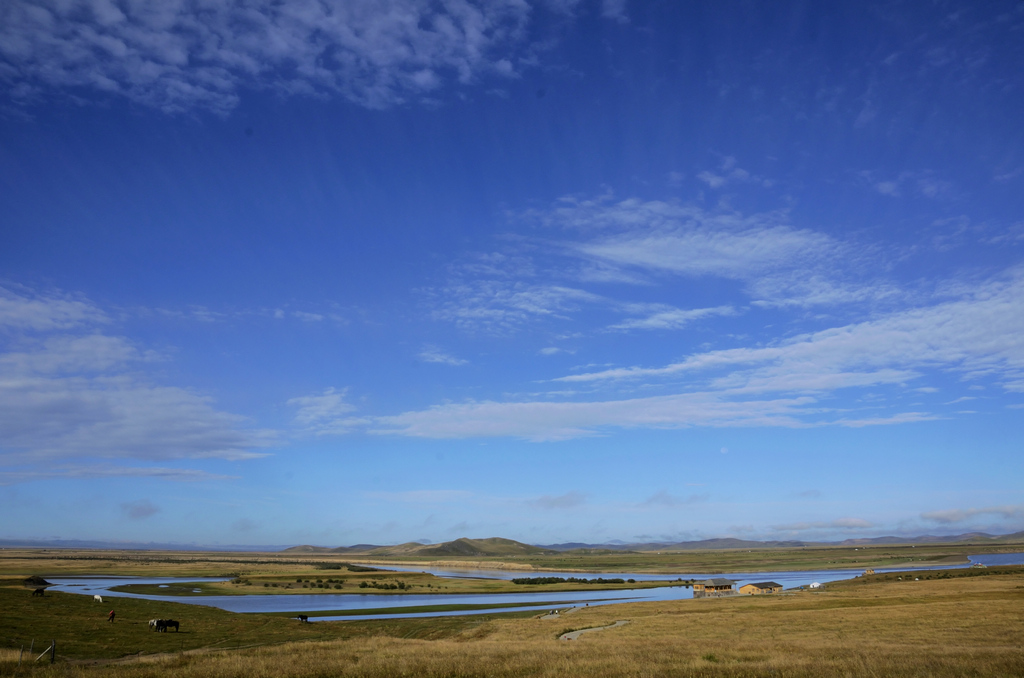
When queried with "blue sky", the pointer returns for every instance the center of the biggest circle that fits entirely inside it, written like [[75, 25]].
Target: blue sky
[[558, 271]]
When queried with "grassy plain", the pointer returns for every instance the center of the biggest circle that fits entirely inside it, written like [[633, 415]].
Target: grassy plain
[[265, 574], [723, 560], [949, 623], [281, 567]]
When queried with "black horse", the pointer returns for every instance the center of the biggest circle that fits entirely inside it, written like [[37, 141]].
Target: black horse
[[168, 623], [39, 592], [303, 618]]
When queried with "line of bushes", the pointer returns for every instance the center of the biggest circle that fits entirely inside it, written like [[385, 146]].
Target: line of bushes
[[569, 580]]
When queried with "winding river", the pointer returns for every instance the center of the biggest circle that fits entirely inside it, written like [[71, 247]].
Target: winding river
[[506, 602]]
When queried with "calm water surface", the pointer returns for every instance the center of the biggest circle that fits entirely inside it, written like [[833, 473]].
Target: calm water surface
[[310, 604]]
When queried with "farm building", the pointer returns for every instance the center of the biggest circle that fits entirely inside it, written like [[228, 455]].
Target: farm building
[[713, 588], [761, 587]]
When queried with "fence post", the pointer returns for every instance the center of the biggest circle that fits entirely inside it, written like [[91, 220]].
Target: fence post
[[20, 654], [53, 651]]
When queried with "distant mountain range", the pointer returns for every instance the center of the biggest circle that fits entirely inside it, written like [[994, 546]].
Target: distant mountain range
[[507, 547], [497, 546]]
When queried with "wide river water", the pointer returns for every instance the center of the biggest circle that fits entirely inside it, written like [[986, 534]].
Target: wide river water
[[507, 602]]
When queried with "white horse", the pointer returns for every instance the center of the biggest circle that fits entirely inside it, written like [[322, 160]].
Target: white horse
[[98, 598]]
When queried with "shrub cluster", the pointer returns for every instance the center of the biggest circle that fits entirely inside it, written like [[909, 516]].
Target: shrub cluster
[[564, 580], [348, 566], [392, 586]]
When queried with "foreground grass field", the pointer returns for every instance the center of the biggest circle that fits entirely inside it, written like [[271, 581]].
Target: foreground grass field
[[958, 623]]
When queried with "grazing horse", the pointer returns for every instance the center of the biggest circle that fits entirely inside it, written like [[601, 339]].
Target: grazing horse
[[168, 623], [303, 618], [98, 598], [161, 625], [152, 623], [39, 592]]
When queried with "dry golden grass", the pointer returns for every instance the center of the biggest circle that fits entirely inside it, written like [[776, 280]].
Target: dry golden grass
[[944, 627]]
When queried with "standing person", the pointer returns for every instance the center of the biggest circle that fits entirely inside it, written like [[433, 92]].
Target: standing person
[[110, 617]]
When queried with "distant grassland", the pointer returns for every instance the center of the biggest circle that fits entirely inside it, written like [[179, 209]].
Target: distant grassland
[[283, 565], [718, 561], [949, 623]]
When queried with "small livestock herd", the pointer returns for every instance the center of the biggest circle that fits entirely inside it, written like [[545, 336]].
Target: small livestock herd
[[160, 625], [163, 625]]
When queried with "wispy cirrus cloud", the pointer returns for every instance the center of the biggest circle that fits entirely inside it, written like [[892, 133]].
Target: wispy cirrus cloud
[[501, 306], [728, 172], [545, 420], [924, 183], [24, 310], [981, 333], [778, 264], [326, 413], [664, 317], [978, 335], [179, 56]]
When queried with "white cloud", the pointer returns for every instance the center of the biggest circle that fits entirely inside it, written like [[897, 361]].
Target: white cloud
[[979, 334], [188, 54], [839, 524], [89, 353], [923, 183], [688, 241], [72, 394], [668, 318], [780, 265], [45, 313], [728, 172], [543, 420], [432, 354], [711, 179], [324, 414], [960, 515], [117, 417], [982, 333], [500, 306]]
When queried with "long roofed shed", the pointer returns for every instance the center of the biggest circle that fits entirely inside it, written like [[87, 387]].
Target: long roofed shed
[[716, 586], [761, 587]]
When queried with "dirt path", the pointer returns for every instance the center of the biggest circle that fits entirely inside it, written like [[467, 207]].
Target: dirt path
[[573, 635]]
